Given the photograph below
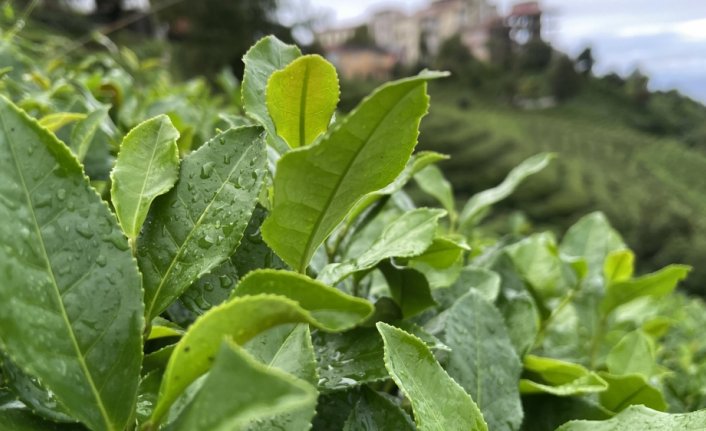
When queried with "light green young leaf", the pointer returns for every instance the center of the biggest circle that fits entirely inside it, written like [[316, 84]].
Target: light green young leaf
[[288, 348], [199, 223], [439, 403], [241, 318], [537, 260], [416, 163], [262, 392], [330, 306], [70, 297], [442, 253], [147, 166], [316, 186], [656, 285], [483, 360], [630, 389], [431, 180], [268, 55], [618, 266], [634, 354], [409, 288], [409, 235], [83, 132], [301, 98], [640, 418], [54, 122], [591, 238], [561, 378], [374, 412], [475, 208]]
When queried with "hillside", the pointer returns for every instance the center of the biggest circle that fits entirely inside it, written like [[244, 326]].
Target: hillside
[[652, 187]]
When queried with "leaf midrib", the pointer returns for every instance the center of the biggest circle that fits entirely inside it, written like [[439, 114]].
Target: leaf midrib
[[317, 224], [144, 180], [57, 292], [167, 273], [302, 105]]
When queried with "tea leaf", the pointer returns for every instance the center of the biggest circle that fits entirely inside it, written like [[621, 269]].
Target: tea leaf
[[147, 166], [301, 98], [316, 186], [70, 298], [199, 223], [439, 403], [483, 360]]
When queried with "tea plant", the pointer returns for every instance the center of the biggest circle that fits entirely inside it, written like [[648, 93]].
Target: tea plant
[[279, 276]]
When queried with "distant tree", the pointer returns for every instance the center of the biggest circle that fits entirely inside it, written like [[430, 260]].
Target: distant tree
[[585, 61], [212, 34], [535, 56], [564, 80], [455, 57], [500, 45], [614, 80], [361, 38], [636, 88]]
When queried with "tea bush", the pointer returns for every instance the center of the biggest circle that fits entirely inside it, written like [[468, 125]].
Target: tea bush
[[278, 276]]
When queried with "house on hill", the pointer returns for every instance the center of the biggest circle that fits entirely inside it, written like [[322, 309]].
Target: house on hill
[[411, 39]]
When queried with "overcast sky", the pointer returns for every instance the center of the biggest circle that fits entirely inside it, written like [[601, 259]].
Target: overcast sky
[[664, 38]]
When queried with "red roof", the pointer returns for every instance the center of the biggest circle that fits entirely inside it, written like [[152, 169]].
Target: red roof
[[530, 8]]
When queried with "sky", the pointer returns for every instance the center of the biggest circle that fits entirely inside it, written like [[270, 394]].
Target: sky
[[666, 39]]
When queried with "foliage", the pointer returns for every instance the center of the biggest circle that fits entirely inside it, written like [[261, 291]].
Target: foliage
[[179, 314]]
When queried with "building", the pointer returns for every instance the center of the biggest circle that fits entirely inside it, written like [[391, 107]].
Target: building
[[525, 22], [362, 62], [417, 37]]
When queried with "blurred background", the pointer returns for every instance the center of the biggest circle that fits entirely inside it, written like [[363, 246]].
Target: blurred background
[[615, 88]]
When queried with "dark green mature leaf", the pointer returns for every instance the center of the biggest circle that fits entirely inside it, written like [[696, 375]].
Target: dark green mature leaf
[[241, 318], [288, 348], [349, 358], [633, 354], [480, 280], [30, 392], [556, 377], [262, 392], [200, 222], [409, 288], [655, 285], [268, 55], [316, 186], [545, 412], [439, 403], [483, 360], [476, 207], [330, 306], [70, 299], [147, 166], [252, 253], [18, 418], [147, 395], [640, 418], [301, 98], [409, 235], [374, 412], [630, 389]]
